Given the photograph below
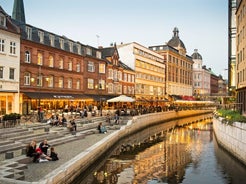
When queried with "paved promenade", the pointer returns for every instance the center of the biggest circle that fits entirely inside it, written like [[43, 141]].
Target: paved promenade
[[66, 151]]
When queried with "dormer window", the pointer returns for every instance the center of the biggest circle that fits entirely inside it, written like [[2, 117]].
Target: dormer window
[[2, 20], [29, 33], [88, 51], [61, 43], [41, 36], [79, 49], [70, 46], [99, 54], [52, 40]]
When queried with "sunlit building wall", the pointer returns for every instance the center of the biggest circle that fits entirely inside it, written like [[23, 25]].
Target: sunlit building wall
[[240, 54], [149, 70]]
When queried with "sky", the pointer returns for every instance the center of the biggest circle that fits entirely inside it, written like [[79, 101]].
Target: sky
[[202, 24]]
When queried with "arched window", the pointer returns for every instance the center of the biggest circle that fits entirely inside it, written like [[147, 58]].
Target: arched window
[[61, 63], [40, 59], [27, 57]]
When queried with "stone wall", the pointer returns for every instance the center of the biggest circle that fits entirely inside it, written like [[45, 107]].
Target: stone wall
[[231, 137]]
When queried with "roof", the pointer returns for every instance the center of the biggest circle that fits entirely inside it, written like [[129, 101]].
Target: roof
[[175, 41], [196, 55]]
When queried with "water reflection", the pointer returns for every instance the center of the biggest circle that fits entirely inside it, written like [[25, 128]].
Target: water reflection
[[184, 155]]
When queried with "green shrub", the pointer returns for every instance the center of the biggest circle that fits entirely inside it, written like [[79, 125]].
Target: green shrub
[[231, 116]]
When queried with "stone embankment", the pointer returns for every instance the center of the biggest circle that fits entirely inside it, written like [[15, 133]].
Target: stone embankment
[[84, 149], [231, 137]]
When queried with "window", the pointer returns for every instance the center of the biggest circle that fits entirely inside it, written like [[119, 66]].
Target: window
[[29, 33], [61, 63], [91, 67], [70, 65], [110, 88], [78, 84], [50, 81], [41, 36], [99, 54], [2, 48], [101, 84], [60, 82], [61, 43], [69, 83], [1, 72], [51, 61], [77, 67], [90, 84], [2, 20], [110, 74], [88, 51], [40, 59], [12, 48], [40, 81], [79, 49], [70, 46], [27, 57], [125, 77], [52, 40], [27, 77], [12, 73], [101, 68]]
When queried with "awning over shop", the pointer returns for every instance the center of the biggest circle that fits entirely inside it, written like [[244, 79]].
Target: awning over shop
[[37, 95]]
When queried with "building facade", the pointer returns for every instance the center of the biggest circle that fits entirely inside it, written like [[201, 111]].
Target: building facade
[[232, 31], [240, 54], [201, 77], [149, 70], [9, 65], [179, 66]]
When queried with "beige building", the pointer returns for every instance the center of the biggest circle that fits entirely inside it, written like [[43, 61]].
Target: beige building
[[179, 66], [240, 55], [9, 65], [149, 70]]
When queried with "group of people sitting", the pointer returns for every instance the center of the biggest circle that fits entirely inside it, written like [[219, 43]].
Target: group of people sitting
[[55, 120], [40, 153]]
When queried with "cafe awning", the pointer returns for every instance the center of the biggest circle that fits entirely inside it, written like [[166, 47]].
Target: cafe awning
[[36, 95]]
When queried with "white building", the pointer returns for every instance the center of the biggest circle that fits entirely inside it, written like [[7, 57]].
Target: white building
[[9, 65], [201, 76], [149, 70]]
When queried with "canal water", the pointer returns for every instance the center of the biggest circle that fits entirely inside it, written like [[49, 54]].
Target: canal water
[[188, 155]]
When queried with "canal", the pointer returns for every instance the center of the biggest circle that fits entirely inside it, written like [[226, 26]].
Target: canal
[[188, 155]]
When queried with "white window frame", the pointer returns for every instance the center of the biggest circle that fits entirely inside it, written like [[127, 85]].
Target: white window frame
[[40, 59], [60, 82], [2, 45], [41, 36], [1, 72], [2, 20], [91, 66], [11, 73], [78, 67], [102, 68], [88, 51], [27, 79], [51, 61], [78, 84], [29, 32], [27, 56], [70, 65], [70, 46], [99, 54], [61, 62], [90, 83], [70, 83], [52, 40], [12, 48], [61, 41]]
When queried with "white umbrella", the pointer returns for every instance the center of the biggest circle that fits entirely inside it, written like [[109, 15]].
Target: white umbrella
[[121, 98]]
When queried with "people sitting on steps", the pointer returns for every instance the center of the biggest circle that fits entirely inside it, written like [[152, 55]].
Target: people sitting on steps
[[44, 146], [101, 128], [53, 154]]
